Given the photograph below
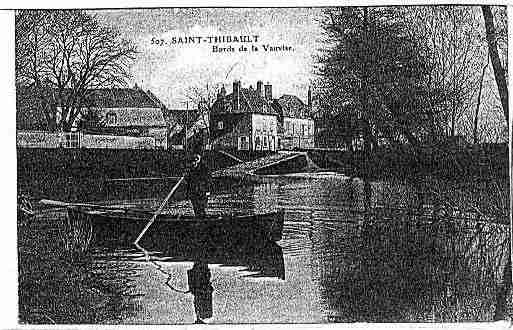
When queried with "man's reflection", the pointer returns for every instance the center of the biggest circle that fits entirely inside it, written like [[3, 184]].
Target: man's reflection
[[198, 279]]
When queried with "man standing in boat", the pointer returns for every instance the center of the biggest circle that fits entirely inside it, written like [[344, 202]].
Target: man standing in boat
[[197, 180]]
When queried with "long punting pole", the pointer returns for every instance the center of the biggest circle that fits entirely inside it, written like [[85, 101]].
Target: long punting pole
[[159, 210]]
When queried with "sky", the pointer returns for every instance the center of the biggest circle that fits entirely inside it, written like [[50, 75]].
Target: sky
[[170, 70]]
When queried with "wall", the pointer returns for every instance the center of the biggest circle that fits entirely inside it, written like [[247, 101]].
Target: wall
[[297, 133], [116, 142], [40, 139], [234, 126], [264, 132], [160, 137], [247, 125]]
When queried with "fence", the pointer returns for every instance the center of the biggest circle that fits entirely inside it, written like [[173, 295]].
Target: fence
[[41, 139]]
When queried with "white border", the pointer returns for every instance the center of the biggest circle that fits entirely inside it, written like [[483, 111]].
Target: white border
[[8, 271], [22, 4]]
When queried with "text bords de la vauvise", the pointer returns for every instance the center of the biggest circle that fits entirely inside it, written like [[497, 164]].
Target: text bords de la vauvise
[[223, 43]]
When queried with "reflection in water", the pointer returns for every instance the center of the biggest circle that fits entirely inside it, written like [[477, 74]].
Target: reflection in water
[[407, 272], [198, 279], [255, 260], [264, 259], [370, 251]]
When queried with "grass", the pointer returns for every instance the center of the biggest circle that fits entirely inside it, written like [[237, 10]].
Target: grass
[[59, 283], [405, 272], [399, 265]]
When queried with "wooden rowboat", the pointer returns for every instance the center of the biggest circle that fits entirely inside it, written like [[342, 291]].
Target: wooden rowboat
[[122, 225]]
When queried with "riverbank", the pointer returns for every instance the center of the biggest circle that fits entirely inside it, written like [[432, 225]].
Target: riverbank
[[106, 174], [453, 163], [81, 174], [57, 285]]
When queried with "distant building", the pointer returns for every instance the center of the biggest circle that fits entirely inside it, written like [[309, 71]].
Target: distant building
[[196, 124], [296, 127], [129, 112], [244, 119], [250, 119]]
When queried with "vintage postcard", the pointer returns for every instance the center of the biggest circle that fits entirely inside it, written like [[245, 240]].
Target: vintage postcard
[[230, 165]]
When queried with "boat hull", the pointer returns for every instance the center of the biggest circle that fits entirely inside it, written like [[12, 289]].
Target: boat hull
[[179, 231]]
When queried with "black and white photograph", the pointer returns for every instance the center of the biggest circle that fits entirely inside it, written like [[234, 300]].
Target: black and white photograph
[[262, 165]]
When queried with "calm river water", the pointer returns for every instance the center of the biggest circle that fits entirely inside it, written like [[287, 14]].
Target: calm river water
[[351, 251]]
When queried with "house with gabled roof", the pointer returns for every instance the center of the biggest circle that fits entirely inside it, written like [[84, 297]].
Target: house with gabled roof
[[244, 119], [129, 112], [250, 119], [121, 112], [296, 127]]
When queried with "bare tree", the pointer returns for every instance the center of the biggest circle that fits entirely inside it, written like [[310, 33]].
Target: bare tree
[[457, 56], [203, 96], [68, 54]]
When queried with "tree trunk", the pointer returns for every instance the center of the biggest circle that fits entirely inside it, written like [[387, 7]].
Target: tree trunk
[[498, 70]]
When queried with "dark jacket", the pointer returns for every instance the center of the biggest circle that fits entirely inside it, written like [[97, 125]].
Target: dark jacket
[[198, 180]]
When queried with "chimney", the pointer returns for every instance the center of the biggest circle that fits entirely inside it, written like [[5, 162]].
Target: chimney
[[309, 98], [236, 96], [260, 85], [221, 94], [268, 90]]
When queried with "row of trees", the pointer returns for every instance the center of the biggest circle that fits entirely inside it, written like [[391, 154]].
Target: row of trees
[[61, 55], [415, 74]]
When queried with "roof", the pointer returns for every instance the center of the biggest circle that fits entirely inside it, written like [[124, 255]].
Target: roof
[[122, 98], [107, 97], [132, 106], [250, 102], [291, 106]]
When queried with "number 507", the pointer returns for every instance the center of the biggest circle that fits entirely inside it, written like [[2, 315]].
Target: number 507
[[155, 41]]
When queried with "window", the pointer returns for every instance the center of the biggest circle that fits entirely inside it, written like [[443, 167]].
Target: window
[[243, 143], [220, 125], [257, 143], [111, 118], [71, 140], [266, 143]]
